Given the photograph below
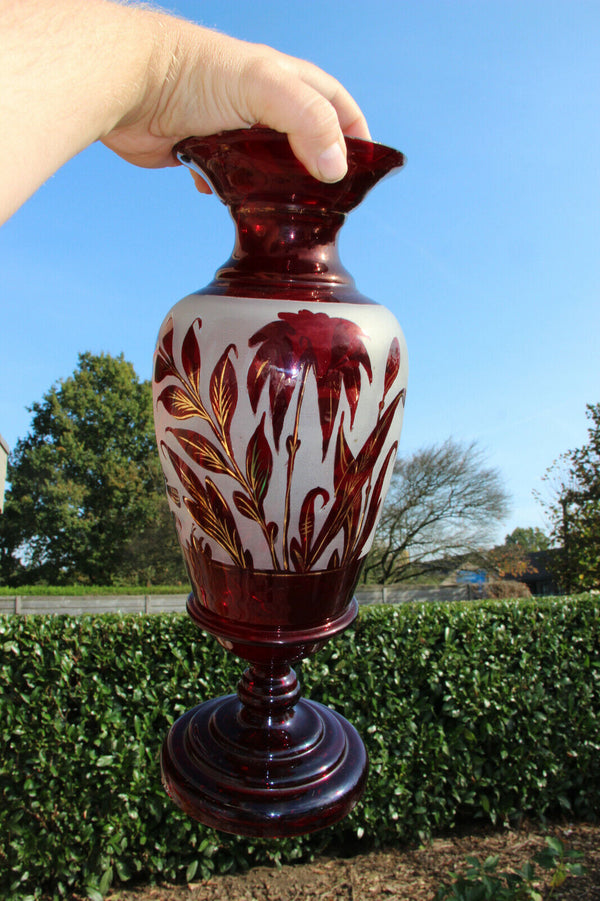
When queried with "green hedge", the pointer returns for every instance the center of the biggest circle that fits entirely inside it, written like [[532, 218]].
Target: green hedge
[[481, 710], [82, 590]]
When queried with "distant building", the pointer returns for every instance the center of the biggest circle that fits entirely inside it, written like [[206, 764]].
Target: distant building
[[471, 577], [3, 462], [541, 578]]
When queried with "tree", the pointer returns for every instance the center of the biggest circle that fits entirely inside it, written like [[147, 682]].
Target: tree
[[443, 502], [574, 509], [528, 539], [514, 559], [85, 483]]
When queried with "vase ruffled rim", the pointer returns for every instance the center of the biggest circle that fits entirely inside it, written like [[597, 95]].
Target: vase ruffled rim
[[258, 164]]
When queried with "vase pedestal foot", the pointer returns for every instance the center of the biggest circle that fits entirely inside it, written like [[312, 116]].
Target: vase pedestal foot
[[264, 762]]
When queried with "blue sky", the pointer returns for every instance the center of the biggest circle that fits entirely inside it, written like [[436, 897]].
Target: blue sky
[[486, 247]]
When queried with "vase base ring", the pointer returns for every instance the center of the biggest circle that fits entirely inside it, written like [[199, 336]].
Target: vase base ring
[[271, 636], [270, 643], [292, 778]]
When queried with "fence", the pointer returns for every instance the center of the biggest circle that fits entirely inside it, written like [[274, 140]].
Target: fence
[[399, 594], [175, 603]]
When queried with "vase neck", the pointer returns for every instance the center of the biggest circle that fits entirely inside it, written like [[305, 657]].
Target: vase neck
[[292, 246], [287, 221]]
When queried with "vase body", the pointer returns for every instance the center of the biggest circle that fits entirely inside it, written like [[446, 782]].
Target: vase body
[[279, 393]]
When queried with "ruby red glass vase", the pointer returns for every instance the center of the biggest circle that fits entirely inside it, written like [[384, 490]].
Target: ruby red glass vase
[[279, 392]]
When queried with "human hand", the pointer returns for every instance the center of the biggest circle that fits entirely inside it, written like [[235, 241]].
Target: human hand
[[79, 71], [206, 82]]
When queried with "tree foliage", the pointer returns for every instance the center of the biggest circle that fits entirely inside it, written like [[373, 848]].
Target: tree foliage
[[443, 502], [528, 539], [514, 558], [574, 509], [86, 498]]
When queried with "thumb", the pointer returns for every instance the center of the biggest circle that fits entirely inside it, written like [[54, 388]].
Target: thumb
[[312, 108]]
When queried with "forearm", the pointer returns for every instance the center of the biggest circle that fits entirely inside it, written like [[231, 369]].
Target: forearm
[[69, 71]]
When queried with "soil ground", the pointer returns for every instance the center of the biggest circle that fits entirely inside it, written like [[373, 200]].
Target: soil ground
[[395, 874]]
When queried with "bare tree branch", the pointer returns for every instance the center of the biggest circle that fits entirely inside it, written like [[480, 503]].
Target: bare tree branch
[[443, 501]]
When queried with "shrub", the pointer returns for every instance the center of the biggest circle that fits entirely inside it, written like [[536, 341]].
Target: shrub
[[506, 588], [44, 590], [482, 882], [478, 710]]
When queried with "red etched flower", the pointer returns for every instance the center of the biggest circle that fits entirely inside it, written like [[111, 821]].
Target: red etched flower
[[297, 343]]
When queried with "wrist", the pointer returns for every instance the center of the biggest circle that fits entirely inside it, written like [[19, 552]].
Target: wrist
[[147, 69]]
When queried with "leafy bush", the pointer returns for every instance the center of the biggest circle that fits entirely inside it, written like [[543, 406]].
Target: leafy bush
[[506, 588], [478, 710], [482, 882], [43, 590]]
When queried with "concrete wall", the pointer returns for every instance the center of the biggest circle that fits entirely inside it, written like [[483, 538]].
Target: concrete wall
[[175, 603]]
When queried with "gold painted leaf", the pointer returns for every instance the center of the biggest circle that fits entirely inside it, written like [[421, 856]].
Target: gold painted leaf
[[190, 355], [202, 451], [245, 506], [178, 403], [224, 390], [259, 462]]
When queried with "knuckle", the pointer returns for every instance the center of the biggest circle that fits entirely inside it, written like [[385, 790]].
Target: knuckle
[[261, 68], [318, 118]]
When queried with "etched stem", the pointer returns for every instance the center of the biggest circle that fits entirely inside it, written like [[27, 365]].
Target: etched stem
[[293, 443], [355, 539]]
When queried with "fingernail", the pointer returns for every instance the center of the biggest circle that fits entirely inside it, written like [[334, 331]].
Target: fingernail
[[332, 163]]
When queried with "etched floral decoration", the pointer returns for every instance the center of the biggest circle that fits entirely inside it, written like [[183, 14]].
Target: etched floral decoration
[[278, 399], [290, 350]]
